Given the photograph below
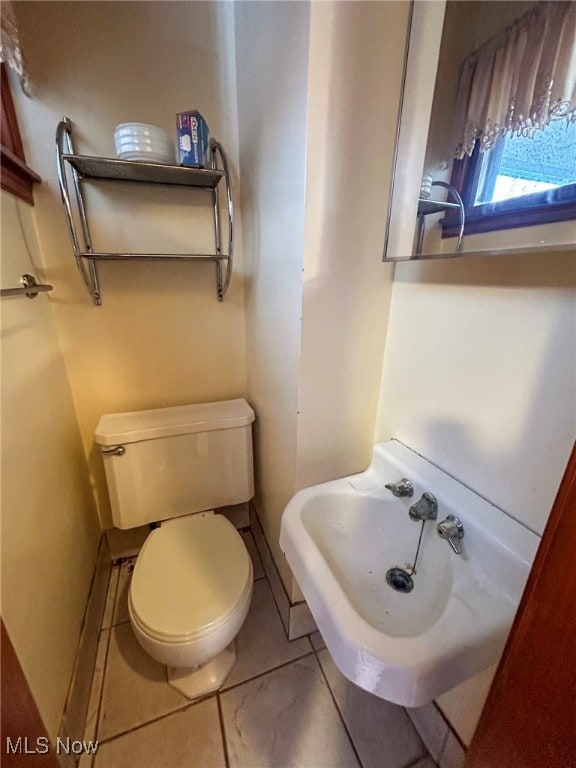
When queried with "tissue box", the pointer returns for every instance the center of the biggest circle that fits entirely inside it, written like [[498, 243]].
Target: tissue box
[[192, 139]]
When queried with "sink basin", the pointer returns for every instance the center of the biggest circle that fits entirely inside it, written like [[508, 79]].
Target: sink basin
[[342, 537]]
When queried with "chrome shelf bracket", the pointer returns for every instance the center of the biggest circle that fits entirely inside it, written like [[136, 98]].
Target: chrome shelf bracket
[[222, 281], [82, 249]]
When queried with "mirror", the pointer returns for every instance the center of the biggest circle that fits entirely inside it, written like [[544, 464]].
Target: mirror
[[427, 187]]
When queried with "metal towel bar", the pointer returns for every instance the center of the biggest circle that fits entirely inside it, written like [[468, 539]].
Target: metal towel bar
[[29, 288]]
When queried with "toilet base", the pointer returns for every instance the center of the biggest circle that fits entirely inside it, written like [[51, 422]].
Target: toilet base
[[193, 683]]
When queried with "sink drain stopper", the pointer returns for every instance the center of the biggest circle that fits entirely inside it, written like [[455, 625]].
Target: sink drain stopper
[[400, 580]]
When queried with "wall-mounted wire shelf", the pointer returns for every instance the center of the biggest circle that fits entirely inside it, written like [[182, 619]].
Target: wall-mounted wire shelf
[[426, 207], [147, 173], [29, 288], [85, 167]]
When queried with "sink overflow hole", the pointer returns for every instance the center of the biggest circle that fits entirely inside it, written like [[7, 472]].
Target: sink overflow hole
[[400, 580]]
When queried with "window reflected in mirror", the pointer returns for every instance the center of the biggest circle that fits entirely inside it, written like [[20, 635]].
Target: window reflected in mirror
[[514, 116], [501, 135], [519, 165]]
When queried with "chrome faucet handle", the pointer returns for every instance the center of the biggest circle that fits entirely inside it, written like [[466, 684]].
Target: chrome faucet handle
[[425, 509], [452, 530], [402, 488]]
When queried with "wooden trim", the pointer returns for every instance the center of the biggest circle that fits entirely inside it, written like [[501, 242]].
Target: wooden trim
[[545, 207], [15, 177], [20, 717], [10, 134], [529, 719], [478, 220]]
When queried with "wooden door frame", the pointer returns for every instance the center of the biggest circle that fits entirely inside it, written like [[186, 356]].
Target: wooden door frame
[[529, 718], [21, 722]]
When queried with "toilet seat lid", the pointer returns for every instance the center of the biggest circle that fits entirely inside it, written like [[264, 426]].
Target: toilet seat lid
[[189, 576]]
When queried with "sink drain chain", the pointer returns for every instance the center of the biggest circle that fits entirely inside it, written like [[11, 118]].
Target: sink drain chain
[[401, 579]]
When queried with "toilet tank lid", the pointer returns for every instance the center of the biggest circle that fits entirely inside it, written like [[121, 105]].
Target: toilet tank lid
[[131, 427]]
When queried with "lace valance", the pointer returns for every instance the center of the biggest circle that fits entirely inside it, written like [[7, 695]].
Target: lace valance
[[519, 80], [10, 51]]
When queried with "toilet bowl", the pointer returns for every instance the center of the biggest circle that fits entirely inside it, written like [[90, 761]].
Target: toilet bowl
[[192, 583], [189, 596]]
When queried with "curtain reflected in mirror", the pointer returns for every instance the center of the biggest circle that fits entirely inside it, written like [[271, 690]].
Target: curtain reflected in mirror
[[486, 154]]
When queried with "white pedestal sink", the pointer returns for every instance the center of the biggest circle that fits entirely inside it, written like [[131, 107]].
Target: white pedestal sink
[[340, 539]]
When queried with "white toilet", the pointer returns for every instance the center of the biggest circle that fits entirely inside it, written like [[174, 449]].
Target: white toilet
[[192, 582]]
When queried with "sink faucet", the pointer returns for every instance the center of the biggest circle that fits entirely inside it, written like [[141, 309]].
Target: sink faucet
[[401, 488], [452, 530], [425, 509]]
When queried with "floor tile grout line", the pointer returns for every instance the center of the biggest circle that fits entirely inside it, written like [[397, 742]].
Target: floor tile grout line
[[179, 709], [92, 680], [190, 704], [265, 672], [415, 763], [418, 760], [451, 728], [120, 623], [333, 697], [442, 748], [223, 730], [272, 565], [115, 589], [203, 698], [105, 669], [131, 560], [248, 531], [183, 708], [217, 695], [286, 628], [83, 631], [422, 757]]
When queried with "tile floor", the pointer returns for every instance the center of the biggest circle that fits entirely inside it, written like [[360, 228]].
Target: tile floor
[[284, 703]]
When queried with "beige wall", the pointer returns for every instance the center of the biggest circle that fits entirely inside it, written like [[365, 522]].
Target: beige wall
[[315, 149], [50, 529], [272, 57], [479, 377], [160, 337], [354, 76], [479, 374]]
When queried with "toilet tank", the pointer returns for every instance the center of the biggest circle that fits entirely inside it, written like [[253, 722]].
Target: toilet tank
[[168, 462]]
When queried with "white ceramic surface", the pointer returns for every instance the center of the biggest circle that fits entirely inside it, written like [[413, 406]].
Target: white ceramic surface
[[163, 141], [145, 147], [139, 128], [341, 537], [147, 157], [178, 460], [145, 143], [199, 649], [140, 131]]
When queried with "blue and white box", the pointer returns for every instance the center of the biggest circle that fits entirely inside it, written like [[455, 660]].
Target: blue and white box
[[193, 141]]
